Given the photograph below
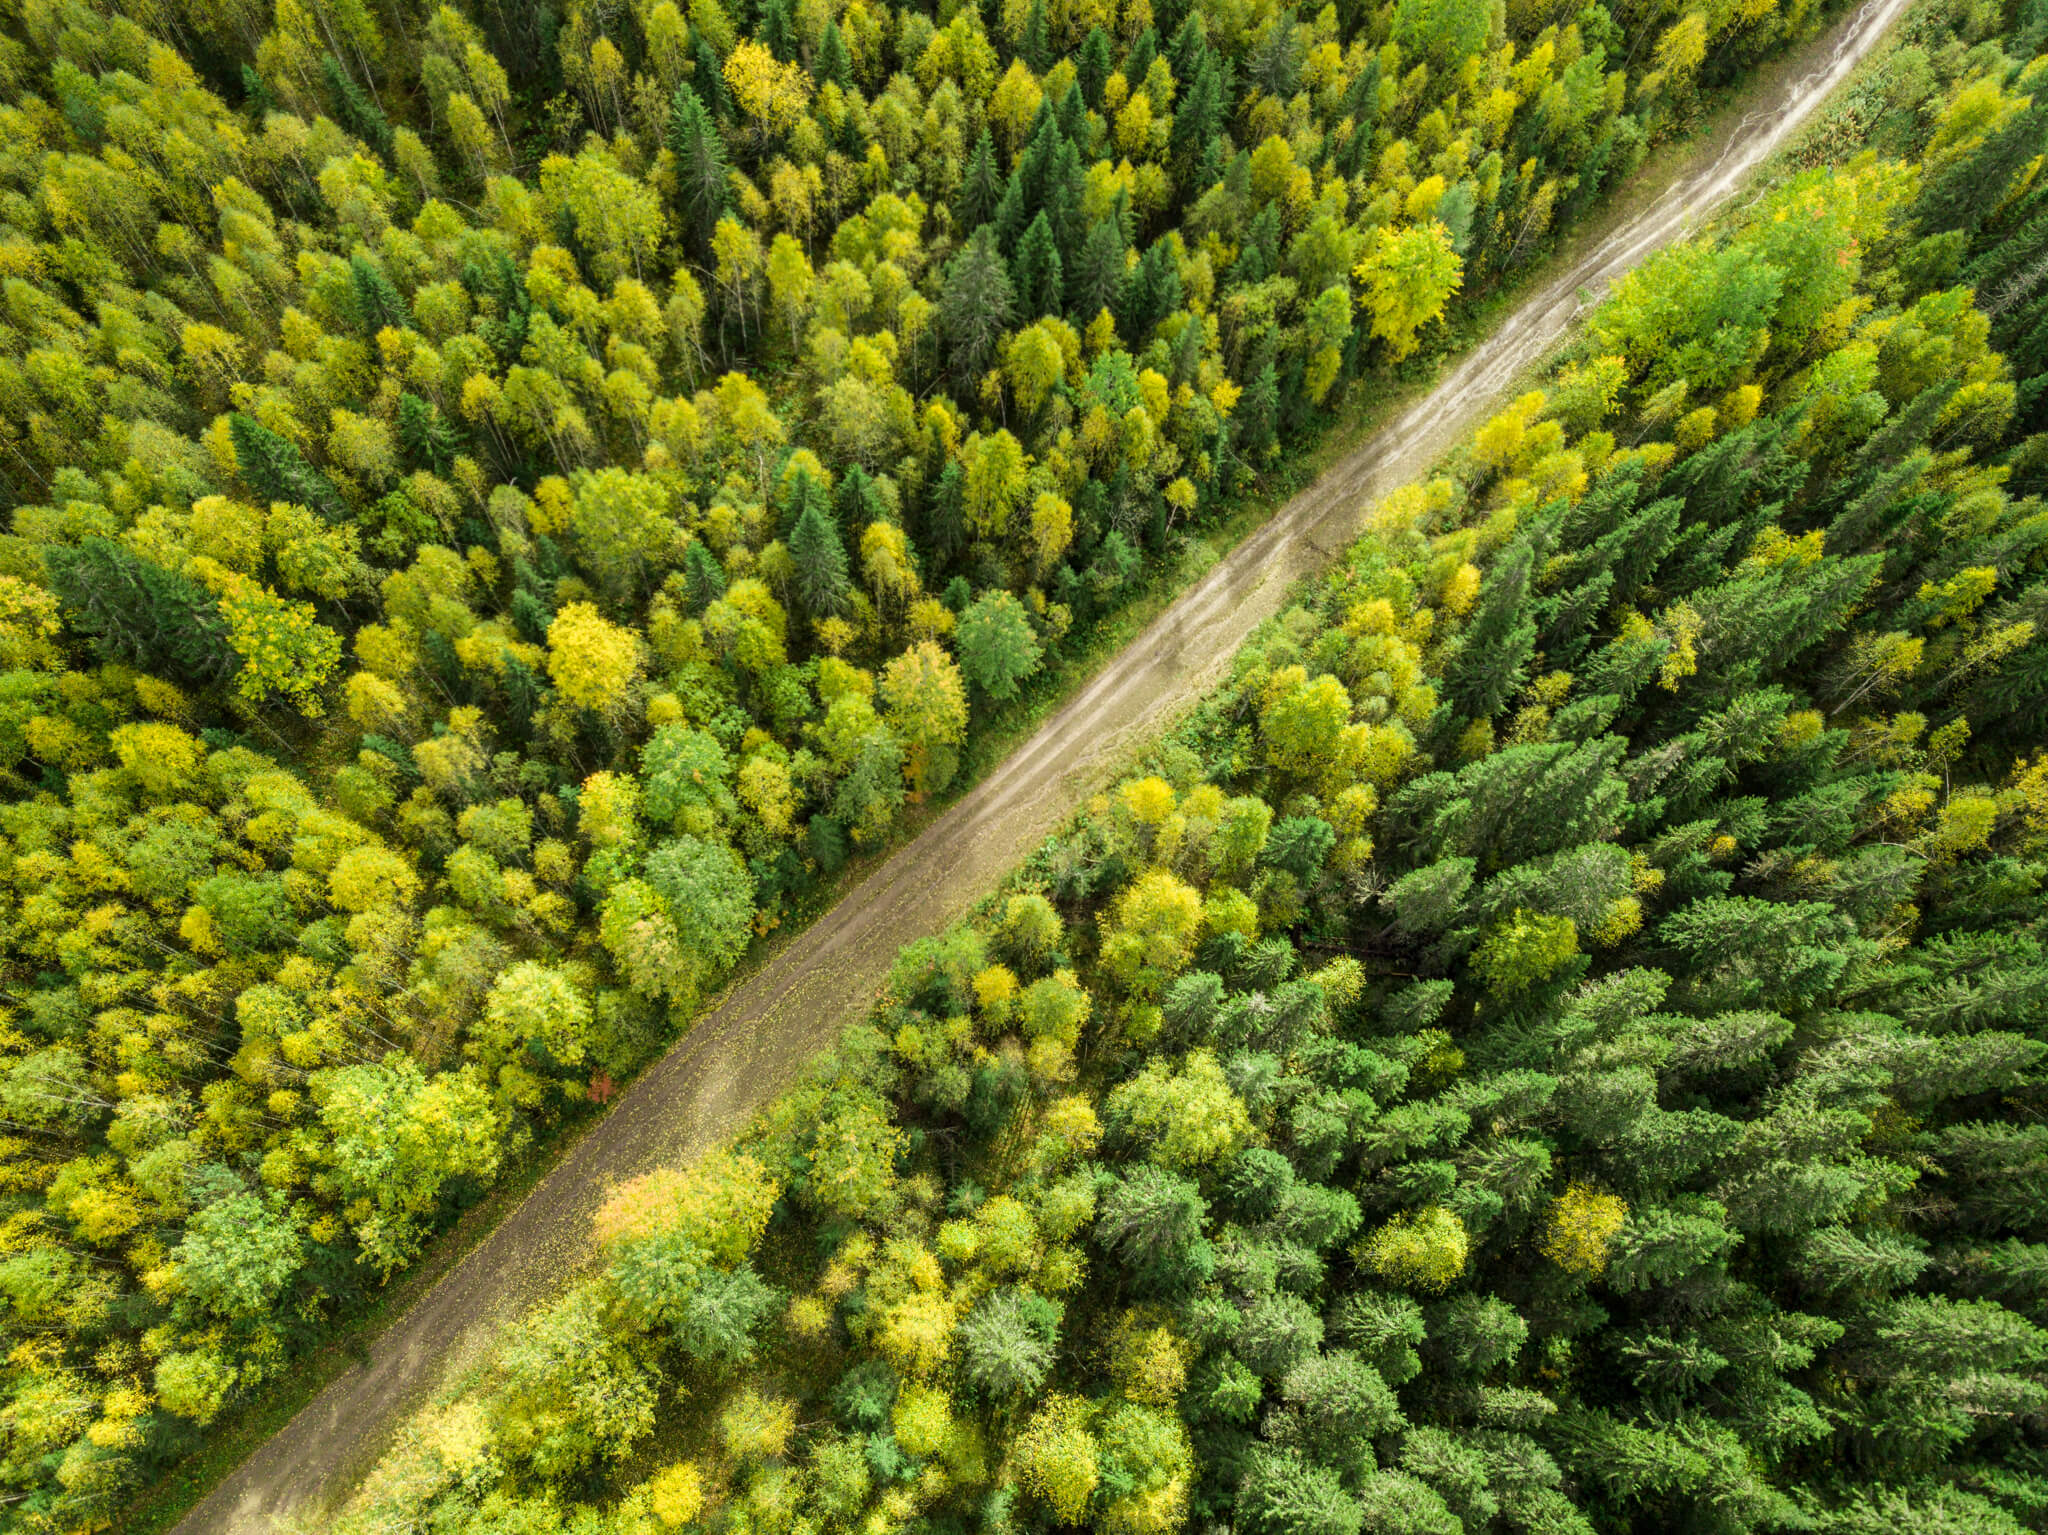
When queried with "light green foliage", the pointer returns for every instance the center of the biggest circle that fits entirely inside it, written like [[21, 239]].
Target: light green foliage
[[1190, 1118], [539, 1004], [398, 1137]]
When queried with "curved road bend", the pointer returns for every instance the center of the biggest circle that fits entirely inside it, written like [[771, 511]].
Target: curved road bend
[[740, 1055]]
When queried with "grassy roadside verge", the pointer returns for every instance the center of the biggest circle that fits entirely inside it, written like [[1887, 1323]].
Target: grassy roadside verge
[[1368, 402]]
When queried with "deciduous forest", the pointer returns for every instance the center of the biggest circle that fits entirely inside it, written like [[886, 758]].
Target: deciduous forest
[[1553, 1044], [503, 502]]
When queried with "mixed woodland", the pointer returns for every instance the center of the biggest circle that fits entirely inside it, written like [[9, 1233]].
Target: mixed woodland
[[1553, 1043], [503, 501]]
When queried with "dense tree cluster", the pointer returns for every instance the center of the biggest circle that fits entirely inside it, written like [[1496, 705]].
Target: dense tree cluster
[[1553, 1044], [503, 500]]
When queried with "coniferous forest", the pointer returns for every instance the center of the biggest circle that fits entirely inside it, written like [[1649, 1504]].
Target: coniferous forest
[[504, 502]]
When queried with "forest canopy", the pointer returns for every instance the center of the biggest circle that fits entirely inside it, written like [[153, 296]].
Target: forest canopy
[[1553, 1043], [503, 501]]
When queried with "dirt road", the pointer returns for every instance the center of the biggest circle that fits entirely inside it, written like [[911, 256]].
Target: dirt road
[[740, 1055]]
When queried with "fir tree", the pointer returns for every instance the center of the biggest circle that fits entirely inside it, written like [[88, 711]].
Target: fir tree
[[1257, 415], [1259, 258], [138, 613], [776, 30], [1151, 293], [1035, 47], [1971, 187], [801, 492], [1199, 115], [1096, 282], [428, 439], [256, 93], [1092, 67], [377, 299], [1491, 658], [1190, 46], [709, 79], [832, 65], [858, 502], [946, 522], [1139, 61]]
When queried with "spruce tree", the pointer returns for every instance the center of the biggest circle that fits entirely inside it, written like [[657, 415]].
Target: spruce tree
[[710, 79], [1257, 416], [946, 522], [858, 502], [428, 439], [1187, 353], [1066, 196], [1190, 46], [1199, 115], [1967, 191], [1489, 663], [358, 113], [1092, 67], [1096, 282], [1139, 61], [981, 187], [1072, 116], [138, 613], [777, 32], [1013, 212], [274, 469], [820, 564], [256, 94], [377, 299], [1035, 272], [800, 492], [831, 64], [976, 305], [1151, 294], [1035, 47], [1259, 258], [703, 172], [703, 577]]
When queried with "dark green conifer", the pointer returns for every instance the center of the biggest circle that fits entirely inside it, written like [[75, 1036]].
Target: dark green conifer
[[357, 111], [378, 301], [832, 64], [703, 172], [138, 613], [819, 560], [1035, 274], [981, 187], [703, 577], [427, 437], [1096, 282], [976, 305], [1092, 67], [275, 471]]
